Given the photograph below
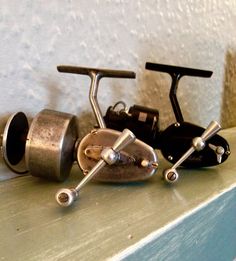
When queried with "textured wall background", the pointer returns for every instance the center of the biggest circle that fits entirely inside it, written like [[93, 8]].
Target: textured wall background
[[36, 36]]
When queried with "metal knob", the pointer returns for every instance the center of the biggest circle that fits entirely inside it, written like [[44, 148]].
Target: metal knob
[[219, 151], [65, 197], [198, 144]]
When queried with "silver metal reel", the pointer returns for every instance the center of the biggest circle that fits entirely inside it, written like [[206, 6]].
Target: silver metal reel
[[66, 197], [198, 143], [137, 162]]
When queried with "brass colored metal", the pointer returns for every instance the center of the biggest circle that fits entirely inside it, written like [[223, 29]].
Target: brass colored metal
[[94, 152]]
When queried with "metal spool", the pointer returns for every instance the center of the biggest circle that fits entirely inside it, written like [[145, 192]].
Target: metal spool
[[13, 142], [50, 145]]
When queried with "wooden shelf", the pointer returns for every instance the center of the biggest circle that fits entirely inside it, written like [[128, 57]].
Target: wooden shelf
[[109, 221]]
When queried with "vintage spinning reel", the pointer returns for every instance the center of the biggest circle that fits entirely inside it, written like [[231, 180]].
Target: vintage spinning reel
[[49, 146], [175, 140], [121, 157]]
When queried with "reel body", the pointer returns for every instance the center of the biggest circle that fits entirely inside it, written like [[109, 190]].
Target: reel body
[[173, 141], [177, 138], [136, 162], [143, 121]]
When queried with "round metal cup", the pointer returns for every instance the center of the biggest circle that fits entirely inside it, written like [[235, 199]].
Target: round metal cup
[[50, 145], [13, 142]]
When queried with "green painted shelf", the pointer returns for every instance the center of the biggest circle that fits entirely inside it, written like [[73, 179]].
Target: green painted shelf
[[109, 221]]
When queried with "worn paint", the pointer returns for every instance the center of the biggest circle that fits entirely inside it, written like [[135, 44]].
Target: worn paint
[[204, 233]]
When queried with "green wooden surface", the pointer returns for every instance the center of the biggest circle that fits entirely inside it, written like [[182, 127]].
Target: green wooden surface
[[208, 234], [107, 218]]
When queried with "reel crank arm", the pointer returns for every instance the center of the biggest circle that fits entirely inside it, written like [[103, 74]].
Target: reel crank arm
[[198, 143], [65, 197]]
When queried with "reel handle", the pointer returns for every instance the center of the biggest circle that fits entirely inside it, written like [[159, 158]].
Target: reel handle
[[176, 73], [101, 72], [95, 75], [178, 70], [123, 140], [65, 197], [198, 143]]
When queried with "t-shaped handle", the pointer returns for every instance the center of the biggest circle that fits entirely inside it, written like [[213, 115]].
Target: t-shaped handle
[[65, 197], [176, 73], [96, 74]]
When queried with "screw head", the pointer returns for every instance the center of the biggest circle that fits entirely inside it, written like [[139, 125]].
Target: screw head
[[171, 175], [155, 165], [145, 163]]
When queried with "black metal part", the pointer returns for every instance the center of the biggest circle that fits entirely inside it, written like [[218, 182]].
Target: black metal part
[[143, 121], [15, 138], [176, 139], [176, 72]]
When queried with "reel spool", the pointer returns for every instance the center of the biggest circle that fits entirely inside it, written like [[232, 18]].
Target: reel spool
[[48, 144]]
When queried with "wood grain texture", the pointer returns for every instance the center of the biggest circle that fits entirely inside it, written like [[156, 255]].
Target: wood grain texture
[[107, 218]]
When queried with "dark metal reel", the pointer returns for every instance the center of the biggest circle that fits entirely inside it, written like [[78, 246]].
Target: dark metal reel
[[175, 140]]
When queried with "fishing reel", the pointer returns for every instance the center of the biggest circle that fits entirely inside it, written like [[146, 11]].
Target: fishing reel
[[175, 140], [49, 146], [106, 154]]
